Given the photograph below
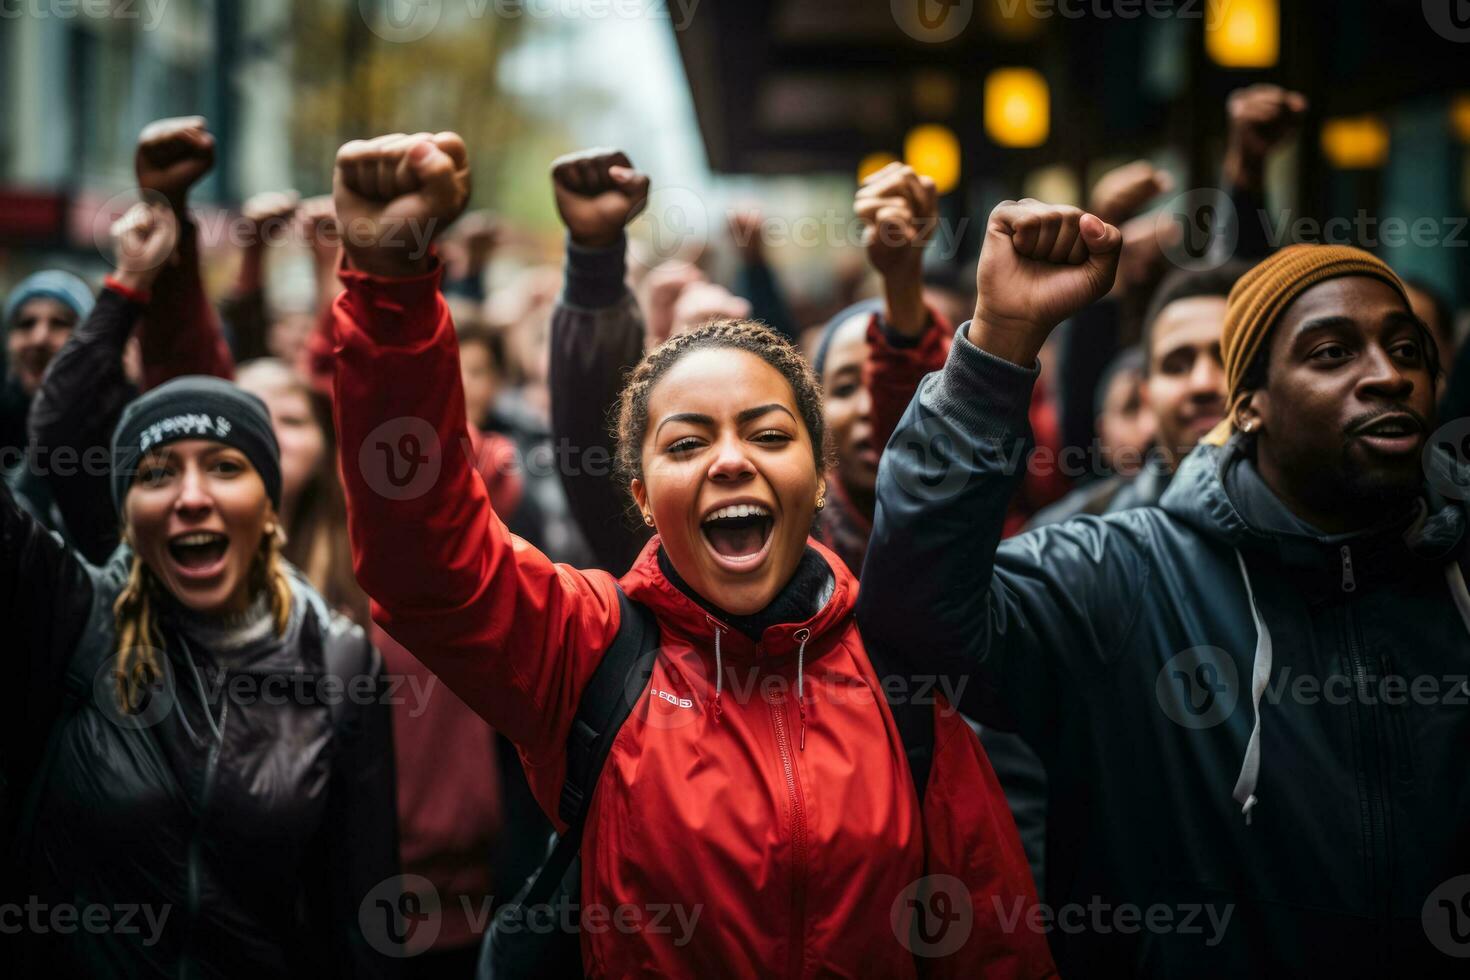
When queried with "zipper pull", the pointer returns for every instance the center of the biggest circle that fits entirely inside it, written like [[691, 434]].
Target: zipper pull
[[1348, 583]]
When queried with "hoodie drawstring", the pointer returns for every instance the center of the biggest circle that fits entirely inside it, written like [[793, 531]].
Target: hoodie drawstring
[[719, 669], [1250, 767], [803, 635]]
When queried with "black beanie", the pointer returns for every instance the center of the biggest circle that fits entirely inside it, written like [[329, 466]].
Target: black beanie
[[195, 407]]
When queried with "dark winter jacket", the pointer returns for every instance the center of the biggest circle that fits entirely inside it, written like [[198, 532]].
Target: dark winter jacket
[[248, 808], [1240, 785]]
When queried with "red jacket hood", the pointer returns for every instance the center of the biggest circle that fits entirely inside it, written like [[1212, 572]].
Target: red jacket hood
[[645, 582]]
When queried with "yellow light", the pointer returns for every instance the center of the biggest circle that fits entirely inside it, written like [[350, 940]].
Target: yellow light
[[1244, 33], [934, 151], [1355, 142], [872, 163], [1460, 117], [1017, 107]]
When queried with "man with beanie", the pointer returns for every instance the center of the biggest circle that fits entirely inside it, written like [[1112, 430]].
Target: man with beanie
[[40, 315], [1251, 700]]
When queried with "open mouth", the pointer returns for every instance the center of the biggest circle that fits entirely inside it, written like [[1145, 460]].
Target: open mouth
[[1392, 434], [738, 534], [199, 554]]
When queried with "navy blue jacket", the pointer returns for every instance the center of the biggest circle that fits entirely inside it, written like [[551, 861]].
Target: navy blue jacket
[[1240, 785]]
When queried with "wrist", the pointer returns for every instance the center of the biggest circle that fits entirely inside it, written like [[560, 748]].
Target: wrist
[[135, 285], [387, 263], [1011, 340], [903, 300], [1243, 170]]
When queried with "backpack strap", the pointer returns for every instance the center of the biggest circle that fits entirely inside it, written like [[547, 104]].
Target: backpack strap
[[607, 700]]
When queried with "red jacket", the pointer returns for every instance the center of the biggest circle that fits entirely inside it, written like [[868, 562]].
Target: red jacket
[[778, 858]]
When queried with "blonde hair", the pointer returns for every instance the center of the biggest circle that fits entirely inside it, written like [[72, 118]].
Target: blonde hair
[[139, 643]]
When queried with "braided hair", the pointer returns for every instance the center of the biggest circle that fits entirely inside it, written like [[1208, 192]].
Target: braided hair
[[631, 424]]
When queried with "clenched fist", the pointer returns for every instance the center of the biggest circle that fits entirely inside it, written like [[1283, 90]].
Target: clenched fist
[[1261, 116], [172, 156], [597, 193], [899, 210], [1040, 264], [143, 239], [394, 194], [1122, 192]]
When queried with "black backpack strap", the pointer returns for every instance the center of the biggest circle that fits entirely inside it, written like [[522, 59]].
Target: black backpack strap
[[512, 950], [914, 718]]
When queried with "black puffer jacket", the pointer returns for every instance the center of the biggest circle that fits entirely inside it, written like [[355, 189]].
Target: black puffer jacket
[[243, 853]]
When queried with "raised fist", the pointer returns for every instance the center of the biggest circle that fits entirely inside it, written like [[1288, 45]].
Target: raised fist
[[316, 223], [597, 193], [1261, 116], [172, 156], [143, 239], [269, 214], [394, 194], [899, 210], [660, 291], [1040, 264], [1122, 192]]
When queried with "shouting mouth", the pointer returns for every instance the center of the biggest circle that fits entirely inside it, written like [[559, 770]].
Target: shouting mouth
[[199, 555], [1394, 434], [738, 535]]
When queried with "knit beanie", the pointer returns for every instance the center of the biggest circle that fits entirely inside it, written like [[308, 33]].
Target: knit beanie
[[195, 407], [55, 284], [1263, 294]]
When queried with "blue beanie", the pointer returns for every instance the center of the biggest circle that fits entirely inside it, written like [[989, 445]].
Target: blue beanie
[[54, 284]]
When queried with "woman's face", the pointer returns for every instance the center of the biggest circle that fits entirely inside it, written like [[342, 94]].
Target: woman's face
[[303, 445], [729, 476], [196, 514], [849, 408]]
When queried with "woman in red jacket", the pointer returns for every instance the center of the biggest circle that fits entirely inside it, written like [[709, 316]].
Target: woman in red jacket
[[759, 788]]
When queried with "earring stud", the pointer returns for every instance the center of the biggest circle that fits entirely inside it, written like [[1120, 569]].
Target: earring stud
[[648, 519]]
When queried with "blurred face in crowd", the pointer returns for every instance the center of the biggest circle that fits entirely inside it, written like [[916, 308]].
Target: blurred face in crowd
[[303, 444], [288, 334], [1126, 426], [729, 476], [196, 515], [1347, 404], [848, 408], [38, 331], [477, 370], [1185, 387], [1425, 309]]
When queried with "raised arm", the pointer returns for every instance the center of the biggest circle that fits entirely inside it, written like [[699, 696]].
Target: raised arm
[[1262, 117], [85, 390], [597, 336], [181, 332], [264, 218], [1027, 619], [514, 635]]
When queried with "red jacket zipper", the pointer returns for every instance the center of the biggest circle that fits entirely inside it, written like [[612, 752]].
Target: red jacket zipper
[[777, 703]]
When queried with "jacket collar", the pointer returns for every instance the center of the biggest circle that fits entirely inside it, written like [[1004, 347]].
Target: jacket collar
[[645, 582]]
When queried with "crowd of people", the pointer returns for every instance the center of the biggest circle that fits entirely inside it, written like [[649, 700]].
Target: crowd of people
[[809, 653]]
